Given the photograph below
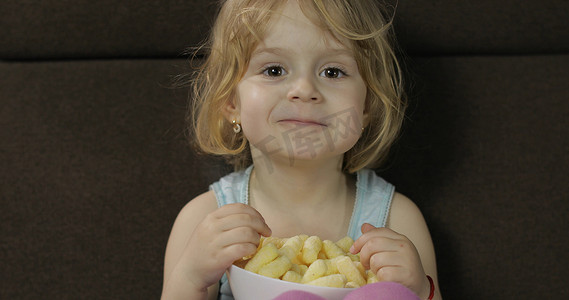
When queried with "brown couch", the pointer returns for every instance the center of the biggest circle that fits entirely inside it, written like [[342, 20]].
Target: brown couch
[[95, 164]]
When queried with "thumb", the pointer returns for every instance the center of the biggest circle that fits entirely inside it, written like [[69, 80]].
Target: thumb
[[367, 227]]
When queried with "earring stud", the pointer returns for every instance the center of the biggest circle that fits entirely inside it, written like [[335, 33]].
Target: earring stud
[[236, 126]]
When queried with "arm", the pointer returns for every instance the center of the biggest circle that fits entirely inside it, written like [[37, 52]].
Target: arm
[[204, 242], [403, 252], [406, 219], [188, 219]]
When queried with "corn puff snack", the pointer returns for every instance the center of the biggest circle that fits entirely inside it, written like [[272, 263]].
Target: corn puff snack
[[309, 260], [292, 276], [345, 243], [310, 249], [276, 268], [334, 280], [331, 249], [316, 270], [349, 269], [291, 248], [263, 256]]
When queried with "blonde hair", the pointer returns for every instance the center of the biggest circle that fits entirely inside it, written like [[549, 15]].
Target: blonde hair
[[240, 26]]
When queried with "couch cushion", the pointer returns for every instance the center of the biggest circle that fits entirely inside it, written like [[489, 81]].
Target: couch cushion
[[129, 28], [95, 168], [485, 156], [79, 29], [95, 165], [482, 26]]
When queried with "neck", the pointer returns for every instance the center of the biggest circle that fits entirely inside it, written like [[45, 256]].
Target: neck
[[311, 199], [300, 185]]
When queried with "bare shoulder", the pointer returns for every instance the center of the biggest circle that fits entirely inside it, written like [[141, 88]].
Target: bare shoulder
[[406, 218], [190, 216], [402, 210], [199, 206]]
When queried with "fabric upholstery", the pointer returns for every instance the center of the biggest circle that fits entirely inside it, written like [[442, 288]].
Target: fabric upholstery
[[95, 163], [130, 28]]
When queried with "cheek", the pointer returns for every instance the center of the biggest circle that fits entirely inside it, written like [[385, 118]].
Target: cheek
[[353, 100], [346, 124], [254, 108]]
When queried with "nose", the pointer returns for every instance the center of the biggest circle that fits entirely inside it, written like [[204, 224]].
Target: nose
[[305, 89]]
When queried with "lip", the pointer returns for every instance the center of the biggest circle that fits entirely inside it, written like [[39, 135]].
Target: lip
[[302, 122]]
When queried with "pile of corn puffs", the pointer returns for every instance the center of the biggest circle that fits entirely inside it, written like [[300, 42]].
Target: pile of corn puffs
[[309, 260]]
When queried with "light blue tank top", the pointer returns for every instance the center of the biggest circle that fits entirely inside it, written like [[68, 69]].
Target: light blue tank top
[[373, 200]]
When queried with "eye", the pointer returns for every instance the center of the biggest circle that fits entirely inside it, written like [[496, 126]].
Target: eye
[[274, 71], [333, 72]]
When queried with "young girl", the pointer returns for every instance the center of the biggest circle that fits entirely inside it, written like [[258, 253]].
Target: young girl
[[304, 95]]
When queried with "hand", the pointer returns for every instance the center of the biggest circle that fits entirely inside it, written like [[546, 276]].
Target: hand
[[393, 257], [225, 235]]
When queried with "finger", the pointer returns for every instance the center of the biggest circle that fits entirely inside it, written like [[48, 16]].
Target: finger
[[374, 246], [236, 208], [372, 232], [392, 273], [238, 235], [237, 215], [367, 227], [383, 260], [384, 231], [244, 220], [382, 243], [233, 252]]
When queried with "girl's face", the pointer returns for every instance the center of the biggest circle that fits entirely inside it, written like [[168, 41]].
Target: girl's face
[[302, 97]]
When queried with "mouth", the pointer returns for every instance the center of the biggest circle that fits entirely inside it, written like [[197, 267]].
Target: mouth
[[302, 122]]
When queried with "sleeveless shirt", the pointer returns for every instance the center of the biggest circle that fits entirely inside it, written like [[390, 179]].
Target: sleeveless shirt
[[373, 200]]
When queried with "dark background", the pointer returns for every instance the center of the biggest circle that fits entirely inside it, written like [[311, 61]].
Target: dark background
[[95, 164]]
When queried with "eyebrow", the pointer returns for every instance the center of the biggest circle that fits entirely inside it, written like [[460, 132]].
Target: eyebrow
[[261, 50], [280, 51]]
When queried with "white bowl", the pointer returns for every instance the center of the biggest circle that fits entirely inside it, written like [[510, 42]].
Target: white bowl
[[247, 285]]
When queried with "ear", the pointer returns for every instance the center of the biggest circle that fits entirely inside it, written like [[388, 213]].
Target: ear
[[365, 119], [231, 110]]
